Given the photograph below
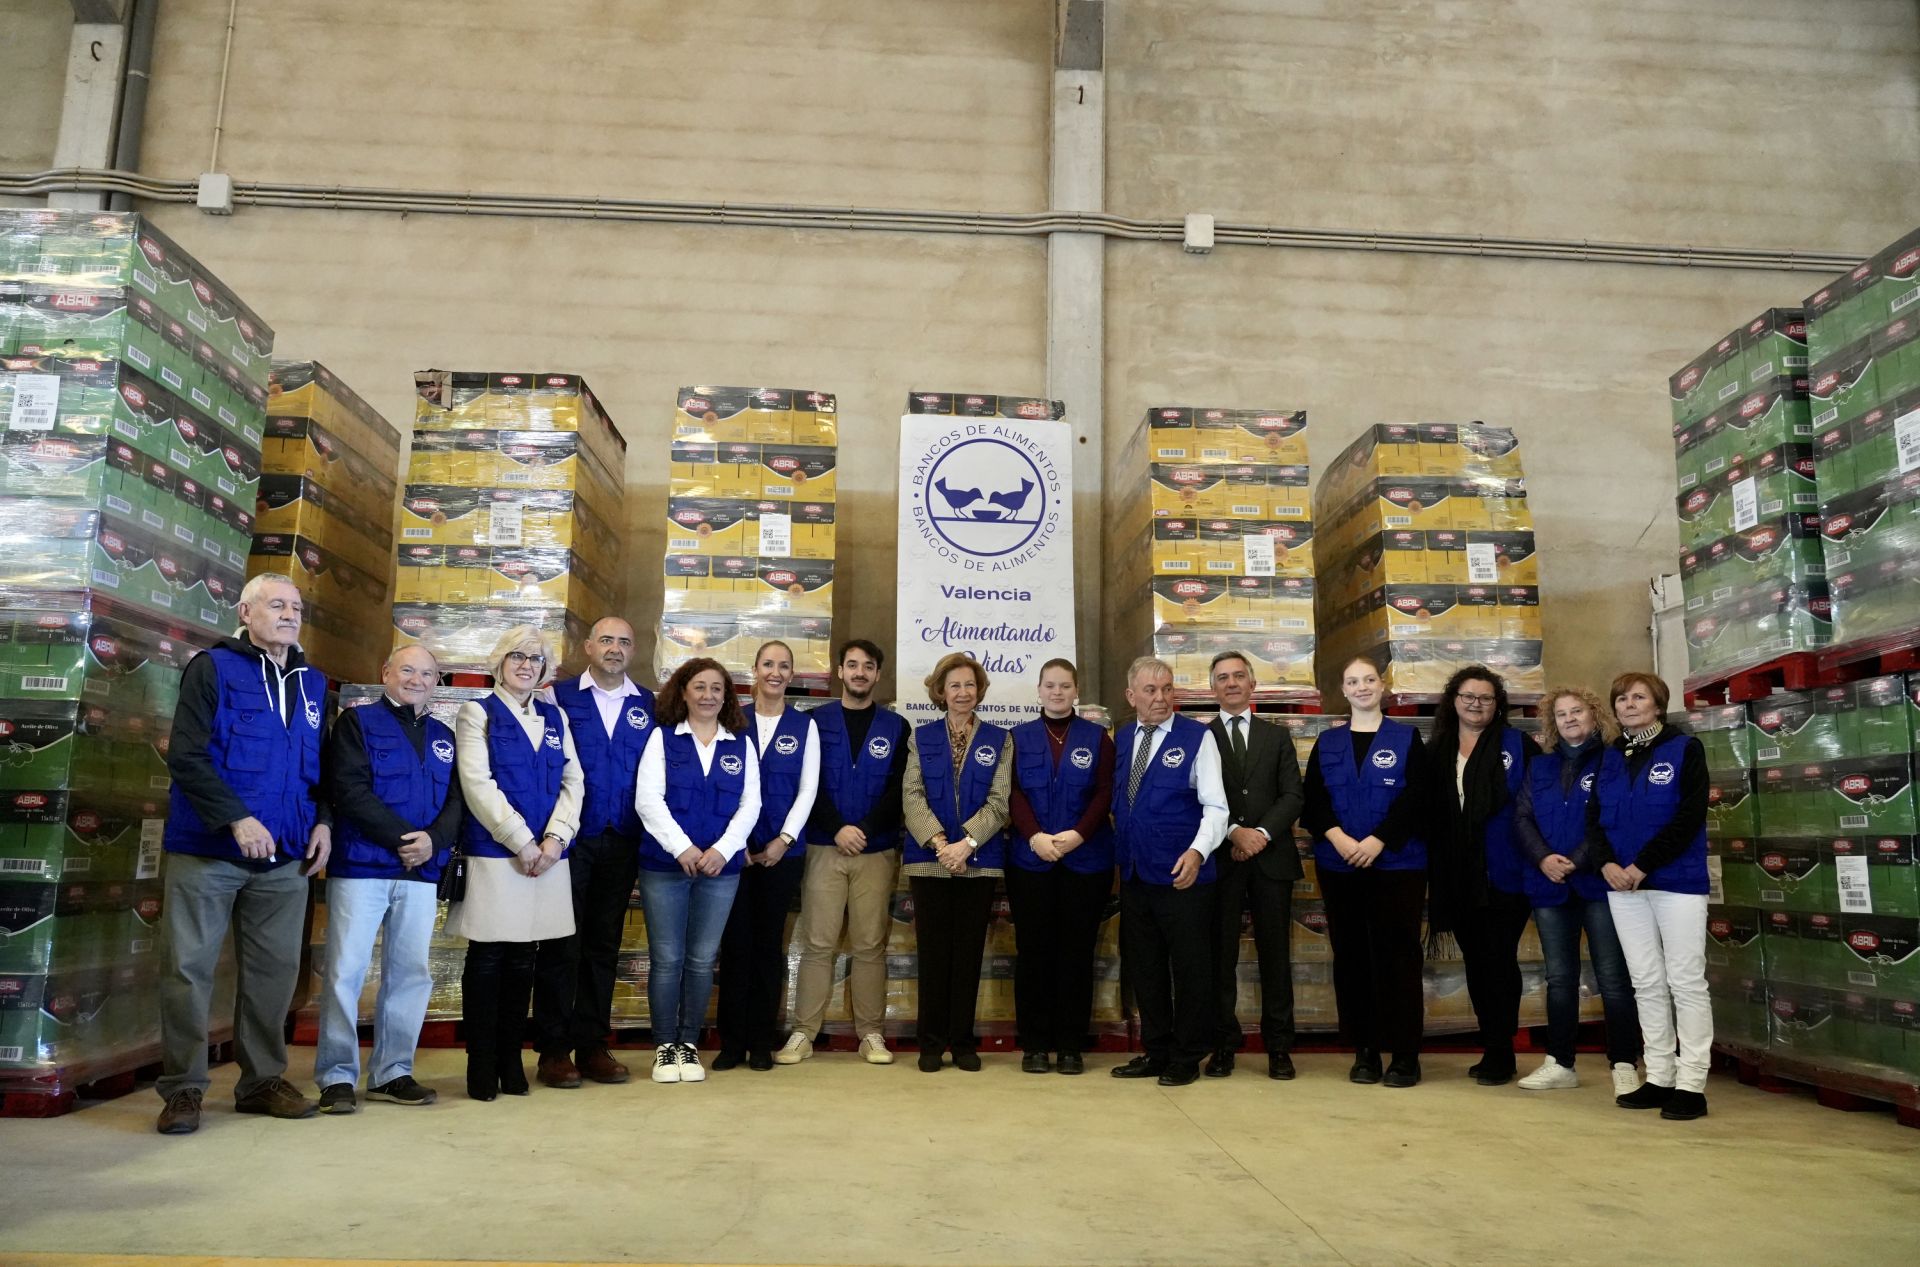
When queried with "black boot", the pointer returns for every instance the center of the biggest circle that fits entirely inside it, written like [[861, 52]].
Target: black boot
[[516, 988], [480, 1018]]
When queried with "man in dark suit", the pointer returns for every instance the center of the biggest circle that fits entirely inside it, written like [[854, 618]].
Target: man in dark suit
[[1258, 866]]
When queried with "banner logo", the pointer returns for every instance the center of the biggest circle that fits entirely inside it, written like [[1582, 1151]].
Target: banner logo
[[986, 498]]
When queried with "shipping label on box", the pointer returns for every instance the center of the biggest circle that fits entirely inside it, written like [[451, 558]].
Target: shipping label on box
[[1875, 875]]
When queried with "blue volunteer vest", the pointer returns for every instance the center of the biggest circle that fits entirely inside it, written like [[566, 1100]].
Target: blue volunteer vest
[[953, 807], [1633, 807], [1562, 820], [270, 764], [781, 763], [857, 781], [527, 775], [1361, 801], [1151, 831], [413, 787], [1506, 870], [610, 766], [1058, 795], [702, 802]]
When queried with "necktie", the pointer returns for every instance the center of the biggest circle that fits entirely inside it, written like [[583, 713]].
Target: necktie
[[1238, 738], [1141, 756]]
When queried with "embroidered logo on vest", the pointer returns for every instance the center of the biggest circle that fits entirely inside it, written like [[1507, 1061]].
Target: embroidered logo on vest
[[730, 765], [1586, 782], [637, 718], [1661, 774], [1082, 758], [878, 747], [786, 745], [1385, 759], [985, 755], [1506, 759], [553, 739], [443, 751], [1173, 758], [313, 714]]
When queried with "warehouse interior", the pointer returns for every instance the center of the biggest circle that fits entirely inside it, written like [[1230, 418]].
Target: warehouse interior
[[1524, 212]]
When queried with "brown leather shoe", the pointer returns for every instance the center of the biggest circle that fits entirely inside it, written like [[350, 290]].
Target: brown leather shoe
[[276, 1097], [181, 1116], [600, 1066], [558, 1071]]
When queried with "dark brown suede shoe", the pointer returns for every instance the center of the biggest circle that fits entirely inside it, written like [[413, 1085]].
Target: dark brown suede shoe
[[600, 1066], [276, 1097], [181, 1116], [557, 1071]]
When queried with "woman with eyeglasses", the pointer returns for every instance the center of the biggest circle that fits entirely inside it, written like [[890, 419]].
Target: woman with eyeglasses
[[1476, 890], [1647, 833], [522, 782]]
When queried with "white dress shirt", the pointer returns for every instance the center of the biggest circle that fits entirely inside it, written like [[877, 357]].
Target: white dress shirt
[[650, 792], [608, 702], [1203, 776], [764, 727]]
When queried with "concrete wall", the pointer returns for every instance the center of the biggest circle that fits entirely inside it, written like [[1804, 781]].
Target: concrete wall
[[1768, 123], [34, 35]]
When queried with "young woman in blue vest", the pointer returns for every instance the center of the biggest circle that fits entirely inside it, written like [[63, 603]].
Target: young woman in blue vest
[[959, 769], [522, 783], [753, 952], [1366, 790], [699, 799], [1568, 895], [1062, 872], [1647, 833], [1476, 888]]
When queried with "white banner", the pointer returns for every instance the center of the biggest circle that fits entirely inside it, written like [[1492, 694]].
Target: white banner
[[986, 555]]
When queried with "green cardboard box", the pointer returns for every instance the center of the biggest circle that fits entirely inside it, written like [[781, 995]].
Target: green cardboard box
[[1796, 875], [1867, 796], [1735, 941], [1805, 1022], [1728, 736], [1736, 862], [1739, 1008], [1774, 344]]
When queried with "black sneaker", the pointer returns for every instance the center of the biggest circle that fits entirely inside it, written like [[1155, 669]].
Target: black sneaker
[[401, 1090], [1403, 1072], [1366, 1067], [1649, 1096], [1684, 1106], [338, 1098]]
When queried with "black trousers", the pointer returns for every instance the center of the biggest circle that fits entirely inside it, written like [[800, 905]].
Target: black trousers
[[1166, 952], [1243, 886], [752, 977], [495, 981], [950, 922], [1489, 938], [1373, 922], [573, 990], [1056, 921]]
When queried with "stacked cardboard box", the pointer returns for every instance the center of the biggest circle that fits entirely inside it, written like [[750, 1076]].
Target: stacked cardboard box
[[132, 394], [513, 513], [750, 527], [1863, 333], [325, 514], [1736, 978], [1427, 558], [1217, 537], [1750, 561]]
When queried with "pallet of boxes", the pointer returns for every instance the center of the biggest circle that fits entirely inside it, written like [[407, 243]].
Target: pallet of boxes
[[133, 387], [1427, 561], [325, 515], [1217, 549]]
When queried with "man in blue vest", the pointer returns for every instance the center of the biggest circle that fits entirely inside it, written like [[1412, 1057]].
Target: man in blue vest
[[1169, 815], [245, 807], [853, 857], [396, 807], [610, 717]]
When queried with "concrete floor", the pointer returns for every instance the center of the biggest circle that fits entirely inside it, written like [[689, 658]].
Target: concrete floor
[[838, 1162]]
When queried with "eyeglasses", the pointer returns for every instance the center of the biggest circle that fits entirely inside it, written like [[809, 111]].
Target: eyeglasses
[[1474, 701], [522, 657]]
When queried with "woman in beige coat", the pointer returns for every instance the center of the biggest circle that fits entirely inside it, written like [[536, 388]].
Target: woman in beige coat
[[522, 782]]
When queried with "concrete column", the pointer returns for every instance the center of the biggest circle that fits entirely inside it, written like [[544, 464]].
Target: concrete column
[[1075, 311], [90, 107]]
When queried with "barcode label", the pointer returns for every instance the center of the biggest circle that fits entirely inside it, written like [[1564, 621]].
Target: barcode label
[[516, 477], [139, 357], [1806, 499], [1409, 629], [1854, 822], [1248, 622], [1716, 893], [74, 866], [36, 399], [1767, 754], [1291, 622], [151, 520], [1775, 506], [1258, 555], [22, 866], [171, 378], [197, 321], [1215, 455], [162, 600], [103, 577], [1729, 391], [1483, 564], [224, 485], [504, 524], [1822, 419], [1718, 464], [1772, 897], [185, 534], [419, 533], [1399, 521], [119, 505], [1867, 979], [1228, 565], [683, 543], [1245, 510], [1760, 372], [1906, 440], [1177, 565], [777, 490], [1840, 558], [200, 398], [1175, 454], [1856, 894], [776, 536], [141, 946], [12, 1055], [159, 782], [1688, 481], [1903, 301], [212, 547], [43, 684], [1724, 591]]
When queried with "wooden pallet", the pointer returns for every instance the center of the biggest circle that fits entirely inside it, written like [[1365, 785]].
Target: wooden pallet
[[1849, 1090], [1801, 671]]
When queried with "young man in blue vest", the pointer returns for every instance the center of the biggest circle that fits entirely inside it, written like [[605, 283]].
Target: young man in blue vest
[[245, 807], [853, 857], [610, 717], [396, 809], [1169, 815]]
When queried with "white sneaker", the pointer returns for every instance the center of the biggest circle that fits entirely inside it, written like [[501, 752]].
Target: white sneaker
[[873, 1049], [666, 1066], [1550, 1076], [691, 1070], [798, 1048], [1626, 1079]]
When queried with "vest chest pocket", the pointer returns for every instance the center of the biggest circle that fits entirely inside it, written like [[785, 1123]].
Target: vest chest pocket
[[252, 737], [385, 756]]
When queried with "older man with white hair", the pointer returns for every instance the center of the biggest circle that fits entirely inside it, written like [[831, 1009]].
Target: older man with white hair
[[245, 808], [396, 810]]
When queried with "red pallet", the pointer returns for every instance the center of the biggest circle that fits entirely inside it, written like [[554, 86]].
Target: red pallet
[[57, 1092], [1893, 653], [1849, 1090], [1801, 671]]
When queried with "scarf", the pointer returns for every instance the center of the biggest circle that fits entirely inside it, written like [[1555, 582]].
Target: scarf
[[1457, 878], [1575, 760]]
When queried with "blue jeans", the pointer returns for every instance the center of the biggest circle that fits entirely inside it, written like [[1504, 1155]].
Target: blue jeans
[[686, 918], [1560, 928], [401, 912]]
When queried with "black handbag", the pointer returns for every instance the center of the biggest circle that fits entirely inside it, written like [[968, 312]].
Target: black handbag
[[453, 876]]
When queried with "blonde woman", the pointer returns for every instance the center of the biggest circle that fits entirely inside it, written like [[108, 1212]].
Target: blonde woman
[[959, 771], [1569, 896], [522, 783]]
